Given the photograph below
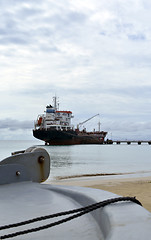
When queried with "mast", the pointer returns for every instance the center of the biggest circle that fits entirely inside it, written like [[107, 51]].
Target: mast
[[99, 126], [55, 103]]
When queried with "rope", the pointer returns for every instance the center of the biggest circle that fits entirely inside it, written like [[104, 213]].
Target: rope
[[79, 212]]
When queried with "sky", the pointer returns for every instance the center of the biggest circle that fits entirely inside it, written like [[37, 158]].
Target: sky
[[94, 55]]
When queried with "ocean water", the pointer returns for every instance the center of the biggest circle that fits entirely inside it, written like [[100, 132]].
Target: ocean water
[[77, 160]]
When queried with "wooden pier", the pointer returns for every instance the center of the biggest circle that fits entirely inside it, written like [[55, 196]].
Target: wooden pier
[[128, 142]]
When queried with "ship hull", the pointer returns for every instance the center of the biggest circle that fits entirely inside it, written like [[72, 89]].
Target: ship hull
[[70, 137]]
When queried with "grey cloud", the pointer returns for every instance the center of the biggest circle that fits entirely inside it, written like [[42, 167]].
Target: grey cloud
[[126, 129], [13, 124], [31, 12], [137, 37], [48, 48], [63, 16], [73, 17], [138, 92], [13, 40], [129, 126], [13, 3], [133, 92], [24, 24]]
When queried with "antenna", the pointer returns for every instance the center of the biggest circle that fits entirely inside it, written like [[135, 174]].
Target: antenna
[[55, 102], [99, 126]]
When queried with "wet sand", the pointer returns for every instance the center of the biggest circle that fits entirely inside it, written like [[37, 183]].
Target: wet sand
[[138, 187]]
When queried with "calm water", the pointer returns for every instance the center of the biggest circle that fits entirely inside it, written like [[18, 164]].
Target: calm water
[[89, 159]]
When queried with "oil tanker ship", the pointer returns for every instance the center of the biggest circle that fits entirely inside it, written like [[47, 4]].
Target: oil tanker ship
[[55, 128]]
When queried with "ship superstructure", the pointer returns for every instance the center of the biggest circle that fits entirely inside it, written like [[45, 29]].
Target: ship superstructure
[[54, 119], [55, 128]]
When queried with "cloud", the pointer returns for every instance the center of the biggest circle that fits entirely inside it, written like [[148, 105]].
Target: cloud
[[95, 55], [28, 23], [13, 124], [127, 130], [137, 37]]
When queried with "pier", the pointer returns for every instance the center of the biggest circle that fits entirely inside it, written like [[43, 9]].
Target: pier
[[128, 142]]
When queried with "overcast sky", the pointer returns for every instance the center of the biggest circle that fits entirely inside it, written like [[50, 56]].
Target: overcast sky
[[95, 55]]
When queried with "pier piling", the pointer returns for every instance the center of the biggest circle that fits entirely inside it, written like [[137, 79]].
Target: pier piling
[[128, 142]]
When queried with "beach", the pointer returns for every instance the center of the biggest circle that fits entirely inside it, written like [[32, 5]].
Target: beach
[[138, 187]]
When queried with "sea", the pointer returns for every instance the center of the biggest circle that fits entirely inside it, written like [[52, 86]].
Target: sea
[[89, 160]]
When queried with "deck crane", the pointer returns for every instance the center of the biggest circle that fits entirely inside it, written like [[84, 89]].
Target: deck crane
[[89, 120]]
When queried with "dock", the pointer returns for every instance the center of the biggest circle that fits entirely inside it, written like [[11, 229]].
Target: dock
[[128, 142]]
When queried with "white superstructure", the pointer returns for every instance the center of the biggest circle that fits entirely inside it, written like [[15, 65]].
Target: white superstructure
[[53, 118]]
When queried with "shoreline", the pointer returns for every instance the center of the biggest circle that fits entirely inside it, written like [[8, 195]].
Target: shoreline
[[139, 187]]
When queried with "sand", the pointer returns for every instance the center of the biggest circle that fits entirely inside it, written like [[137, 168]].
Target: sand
[[138, 187]]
